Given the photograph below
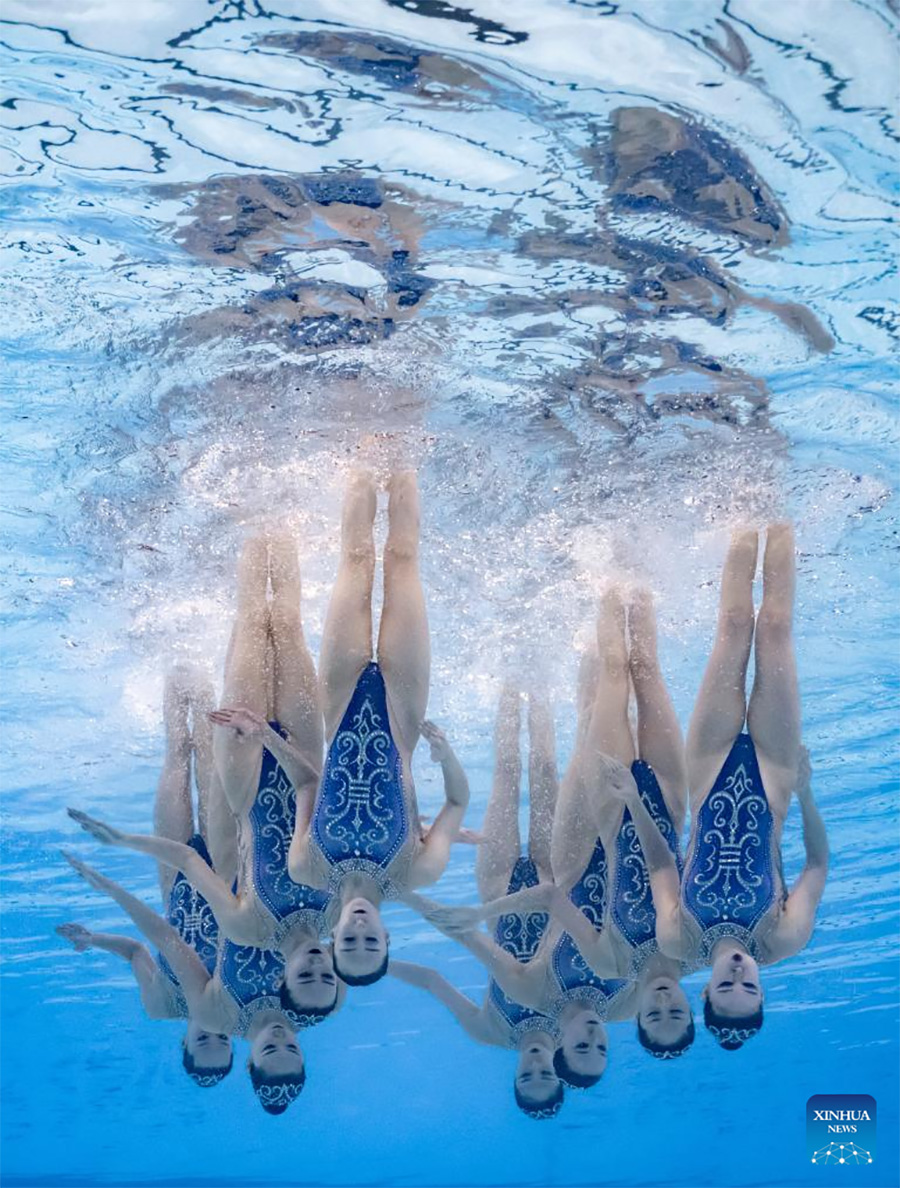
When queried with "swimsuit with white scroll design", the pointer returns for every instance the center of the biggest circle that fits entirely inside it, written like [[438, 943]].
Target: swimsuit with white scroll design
[[272, 822], [589, 895], [189, 913], [520, 936], [360, 812], [729, 878], [632, 900]]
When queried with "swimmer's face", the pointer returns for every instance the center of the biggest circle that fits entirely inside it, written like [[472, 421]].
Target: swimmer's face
[[734, 988], [275, 1051], [360, 939], [310, 978], [207, 1049], [536, 1078], [663, 1011], [584, 1044]]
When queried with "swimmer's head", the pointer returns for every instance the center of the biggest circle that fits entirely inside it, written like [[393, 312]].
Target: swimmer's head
[[276, 1067], [580, 1059], [206, 1056], [310, 986], [360, 943], [538, 1089], [665, 1025], [733, 998]]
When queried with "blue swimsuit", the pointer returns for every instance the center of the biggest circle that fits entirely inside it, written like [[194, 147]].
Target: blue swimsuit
[[632, 902], [520, 935], [729, 883], [574, 977], [360, 821], [192, 917], [272, 825]]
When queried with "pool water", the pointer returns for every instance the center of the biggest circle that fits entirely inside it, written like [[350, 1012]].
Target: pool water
[[614, 277]]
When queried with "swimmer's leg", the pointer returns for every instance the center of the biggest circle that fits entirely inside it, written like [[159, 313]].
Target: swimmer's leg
[[543, 783], [404, 649], [238, 758], [498, 852], [295, 684], [773, 717], [720, 709], [608, 730], [215, 820], [659, 735], [347, 637], [173, 814]]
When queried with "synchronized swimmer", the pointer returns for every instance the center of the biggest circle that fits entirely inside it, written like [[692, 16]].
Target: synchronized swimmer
[[274, 895]]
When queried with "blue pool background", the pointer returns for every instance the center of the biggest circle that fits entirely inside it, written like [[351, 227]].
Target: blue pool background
[[560, 438]]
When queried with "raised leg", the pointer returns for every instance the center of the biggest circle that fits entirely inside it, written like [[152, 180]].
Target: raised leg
[[543, 783], [588, 675], [347, 637], [659, 735], [238, 759], [215, 820], [608, 730], [773, 716], [720, 709], [173, 814], [502, 844], [404, 650], [295, 686]]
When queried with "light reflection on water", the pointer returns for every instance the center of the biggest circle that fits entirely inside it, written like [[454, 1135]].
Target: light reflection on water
[[615, 276]]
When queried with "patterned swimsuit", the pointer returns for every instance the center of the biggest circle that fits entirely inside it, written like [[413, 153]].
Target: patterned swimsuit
[[360, 821], [520, 935], [191, 916], [574, 978], [729, 883], [632, 901]]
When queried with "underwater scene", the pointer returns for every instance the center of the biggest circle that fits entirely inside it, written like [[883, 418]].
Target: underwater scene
[[451, 648]]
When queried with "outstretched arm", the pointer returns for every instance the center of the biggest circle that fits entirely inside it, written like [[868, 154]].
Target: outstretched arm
[[511, 975], [466, 1013], [152, 982], [796, 924], [186, 965], [232, 918], [435, 853]]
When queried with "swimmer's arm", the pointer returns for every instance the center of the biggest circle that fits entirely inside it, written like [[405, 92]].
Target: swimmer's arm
[[233, 918], [465, 1012], [186, 965], [593, 945], [795, 927], [434, 855], [510, 974], [665, 883], [152, 982], [247, 724], [540, 898]]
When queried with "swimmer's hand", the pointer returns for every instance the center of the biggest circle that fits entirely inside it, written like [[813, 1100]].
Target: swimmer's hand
[[619, 782], [97, 829], [454, 921], [467, 837], [245, 723], [92, 877], [77, 935], [440, 747]]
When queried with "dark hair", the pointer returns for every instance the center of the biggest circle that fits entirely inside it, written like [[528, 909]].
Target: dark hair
[[204, 1077], [667, 1051], [276, 1093], [565, 1072], [731, 1032], [304, 1016], [361, 979], [538, 1110]]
